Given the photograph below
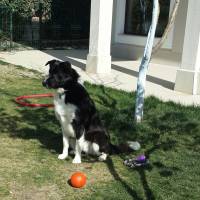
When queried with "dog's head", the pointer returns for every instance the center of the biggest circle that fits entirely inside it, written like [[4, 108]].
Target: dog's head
[[61, 74]]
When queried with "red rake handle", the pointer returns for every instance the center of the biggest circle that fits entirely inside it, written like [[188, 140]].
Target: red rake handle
[[22, 103]]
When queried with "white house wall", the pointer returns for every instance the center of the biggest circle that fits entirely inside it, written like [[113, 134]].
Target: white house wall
[[131, 47], [188, 76]]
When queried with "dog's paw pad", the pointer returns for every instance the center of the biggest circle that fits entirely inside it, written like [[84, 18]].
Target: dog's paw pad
[[62, 156], [102, 157], [76, 161]]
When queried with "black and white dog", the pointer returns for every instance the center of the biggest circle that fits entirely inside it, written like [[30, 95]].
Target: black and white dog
[[81, 127]]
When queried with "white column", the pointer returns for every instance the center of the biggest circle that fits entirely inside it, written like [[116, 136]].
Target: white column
[[188, 76], [99, 59]]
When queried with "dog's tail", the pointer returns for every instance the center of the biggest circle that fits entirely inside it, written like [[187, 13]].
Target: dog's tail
[[129, 146]]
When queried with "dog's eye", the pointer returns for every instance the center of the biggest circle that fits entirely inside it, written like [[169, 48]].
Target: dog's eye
[[52, 69], [55, 76], [58, 76]]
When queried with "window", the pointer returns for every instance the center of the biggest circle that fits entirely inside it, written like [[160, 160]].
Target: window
[[139, 14]]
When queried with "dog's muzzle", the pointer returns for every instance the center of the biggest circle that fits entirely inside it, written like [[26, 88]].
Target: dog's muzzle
[[45, 83]]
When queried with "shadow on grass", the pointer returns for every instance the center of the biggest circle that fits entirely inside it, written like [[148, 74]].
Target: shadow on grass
[[163, 129], [29, 123], [148, 192], [112, 170], [118, 121]]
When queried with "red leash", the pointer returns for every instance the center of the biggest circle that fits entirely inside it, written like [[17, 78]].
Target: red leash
[[20, 101]]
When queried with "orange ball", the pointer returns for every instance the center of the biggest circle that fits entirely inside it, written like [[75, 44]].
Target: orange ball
[[78, 180]]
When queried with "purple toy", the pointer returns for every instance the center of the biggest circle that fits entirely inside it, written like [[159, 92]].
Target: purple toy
[[139, 161], [141, 158]]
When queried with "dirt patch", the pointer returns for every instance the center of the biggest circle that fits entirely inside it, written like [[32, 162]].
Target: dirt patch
[[33, 193], [9, 71]]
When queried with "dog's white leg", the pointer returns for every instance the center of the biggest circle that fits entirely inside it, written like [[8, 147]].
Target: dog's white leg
[[103, 157], [65, 148], [77, 158]]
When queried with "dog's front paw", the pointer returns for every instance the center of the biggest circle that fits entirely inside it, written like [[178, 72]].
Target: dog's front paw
[[76, 160], [103, 157], [62, 156]]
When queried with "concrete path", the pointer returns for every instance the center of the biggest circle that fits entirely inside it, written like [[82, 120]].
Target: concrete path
[[160, 79]]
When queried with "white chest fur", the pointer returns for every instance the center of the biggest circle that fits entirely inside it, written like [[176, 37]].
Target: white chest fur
[[65, 113]]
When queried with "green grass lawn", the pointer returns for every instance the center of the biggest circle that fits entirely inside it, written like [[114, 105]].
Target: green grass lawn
[[30, 141]]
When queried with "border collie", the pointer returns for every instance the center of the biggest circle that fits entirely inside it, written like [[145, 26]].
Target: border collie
[[81, 126]]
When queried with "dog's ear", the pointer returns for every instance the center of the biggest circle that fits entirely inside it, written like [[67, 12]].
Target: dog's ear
[[66, 65], [50, 62]]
